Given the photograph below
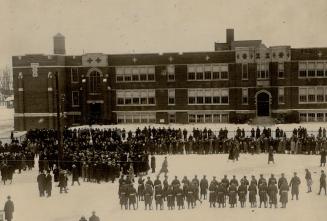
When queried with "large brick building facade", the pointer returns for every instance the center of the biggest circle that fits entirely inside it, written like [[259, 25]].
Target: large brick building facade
[[239, 80]]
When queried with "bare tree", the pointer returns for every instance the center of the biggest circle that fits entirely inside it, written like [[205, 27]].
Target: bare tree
[[6, 82]]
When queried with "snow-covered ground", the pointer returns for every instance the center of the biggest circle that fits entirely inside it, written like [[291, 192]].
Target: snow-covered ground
[[102, 198]]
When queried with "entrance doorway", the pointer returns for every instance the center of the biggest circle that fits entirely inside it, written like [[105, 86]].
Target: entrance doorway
[[95, 113], [263, 104]]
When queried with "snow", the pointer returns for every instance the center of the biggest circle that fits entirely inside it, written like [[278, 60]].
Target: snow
[[103, 198], [6, 123]]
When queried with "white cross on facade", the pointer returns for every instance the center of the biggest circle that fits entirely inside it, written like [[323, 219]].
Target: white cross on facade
[[207, 57], [134, 59], [319, 54], [171, 58]]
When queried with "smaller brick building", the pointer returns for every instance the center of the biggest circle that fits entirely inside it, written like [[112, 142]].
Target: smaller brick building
[[237, 81]]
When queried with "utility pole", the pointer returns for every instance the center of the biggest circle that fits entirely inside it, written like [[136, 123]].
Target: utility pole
[[59, 130]]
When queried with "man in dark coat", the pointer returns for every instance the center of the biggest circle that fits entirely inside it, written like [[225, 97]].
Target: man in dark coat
[[204, 187], [41, 183], [283, 192], [322, 157], [322, 182], [94, 217], [75, 175], [48, 183], [153, 164], [9, 209], [294, 184], [63, 179]]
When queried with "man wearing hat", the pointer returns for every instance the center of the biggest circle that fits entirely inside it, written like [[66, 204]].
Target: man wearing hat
[[9, 209], [282, 180], [294, 184]]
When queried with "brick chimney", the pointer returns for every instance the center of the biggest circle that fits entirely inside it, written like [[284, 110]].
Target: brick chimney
[[59, 44]]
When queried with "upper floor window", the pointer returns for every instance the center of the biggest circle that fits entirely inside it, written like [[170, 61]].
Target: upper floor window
[[171, 96], [171, 73], [245, 72], [263, 71], [245, 96], [75, 98], [135, 97], [74, 75], [135, 73], [312, 69], [208, 96], [207, 72], [280, 70], [94, 82]]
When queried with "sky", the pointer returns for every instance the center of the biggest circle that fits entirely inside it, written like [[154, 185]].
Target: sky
[[156, 26]]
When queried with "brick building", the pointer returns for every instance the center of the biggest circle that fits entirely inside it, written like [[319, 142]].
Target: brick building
[[238, 81]]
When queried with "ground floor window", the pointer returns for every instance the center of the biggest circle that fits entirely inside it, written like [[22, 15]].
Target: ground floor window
[[135, 118], [208, 117], [313, 117], [172, 118]]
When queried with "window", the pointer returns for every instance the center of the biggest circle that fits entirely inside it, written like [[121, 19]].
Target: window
[[303, 95], [244, 96], [302, 69], [151, 97], [311, 117], [224, 118], [191, 72], [281, 95], [171, 73], [311, 95], [171, 96], [135, 97], [191, 118], [94, 82], [208, 96], [172, 118], [119, 74], [224, 72], [207, 72], [136, 118], [263, 70], [75, 98], [135, 73], [320, 94], [199, 73], [215, 72], [208, 117], [224, 96], [74, 75], [320, 69], [245, 71], [320, 117], [303, 117], [280, 70], [200, 118], [311, 69]]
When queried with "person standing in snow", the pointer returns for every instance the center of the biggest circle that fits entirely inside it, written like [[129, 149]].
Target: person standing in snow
[[164, 167], [308, 179]]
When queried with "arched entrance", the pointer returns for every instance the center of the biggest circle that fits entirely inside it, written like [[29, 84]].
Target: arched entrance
[[263, 103]]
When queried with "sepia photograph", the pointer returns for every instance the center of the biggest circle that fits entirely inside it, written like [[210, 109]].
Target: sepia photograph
[[165, 110]]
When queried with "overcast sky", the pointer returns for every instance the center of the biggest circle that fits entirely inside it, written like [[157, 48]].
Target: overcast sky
[[126, 26]]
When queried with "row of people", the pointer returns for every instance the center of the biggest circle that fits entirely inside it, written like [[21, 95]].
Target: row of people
[[177, 192]]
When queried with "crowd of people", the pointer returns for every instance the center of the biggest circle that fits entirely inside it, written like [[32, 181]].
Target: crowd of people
[[179, 194]]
